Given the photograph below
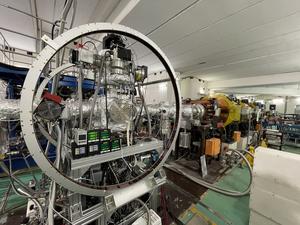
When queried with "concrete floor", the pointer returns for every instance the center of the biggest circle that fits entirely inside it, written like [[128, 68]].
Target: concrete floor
[[232, 210], [14, 201]]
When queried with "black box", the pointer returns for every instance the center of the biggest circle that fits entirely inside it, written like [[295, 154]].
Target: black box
[[104, 147], [93, 136], [105, 135], [78, 151], [93, 148], [115, 144]]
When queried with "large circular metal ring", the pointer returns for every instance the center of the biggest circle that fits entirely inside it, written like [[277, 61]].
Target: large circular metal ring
[[31, 82]]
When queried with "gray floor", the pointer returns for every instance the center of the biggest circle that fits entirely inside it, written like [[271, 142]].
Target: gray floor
[[291, 149]]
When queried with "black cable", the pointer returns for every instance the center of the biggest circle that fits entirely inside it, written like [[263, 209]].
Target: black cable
[[106, 103], [53, 27], [138, 119]]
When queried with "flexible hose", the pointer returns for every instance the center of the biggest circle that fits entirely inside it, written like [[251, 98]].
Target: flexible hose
[[36, 202], [147, 209], [21, 192], [249, 153], [220, 190]]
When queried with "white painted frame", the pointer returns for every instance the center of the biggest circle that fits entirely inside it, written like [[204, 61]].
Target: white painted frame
[[28, 94]]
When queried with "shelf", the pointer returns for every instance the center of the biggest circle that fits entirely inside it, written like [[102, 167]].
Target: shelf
[[124, 152]]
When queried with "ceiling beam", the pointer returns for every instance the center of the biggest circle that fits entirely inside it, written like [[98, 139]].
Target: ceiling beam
[[117, 10], [122, 10], [283, 78]]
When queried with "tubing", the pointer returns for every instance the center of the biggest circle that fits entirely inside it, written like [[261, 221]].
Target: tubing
[[61, 30], [220, 190], [80, 76], [147, 209], [146, 109], [37, 203], [21, 192], [95, 94], [53, 184], [249, 153], [71, 25]]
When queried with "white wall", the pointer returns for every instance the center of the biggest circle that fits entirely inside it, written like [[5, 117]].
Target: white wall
[[192, 88], [163, 92], [292, 102], [280, 104]]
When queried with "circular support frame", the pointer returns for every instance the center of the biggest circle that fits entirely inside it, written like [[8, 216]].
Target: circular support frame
[[28, 94]]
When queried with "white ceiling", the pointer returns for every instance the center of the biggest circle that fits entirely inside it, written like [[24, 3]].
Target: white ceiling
[[226, 39], [213, 39]]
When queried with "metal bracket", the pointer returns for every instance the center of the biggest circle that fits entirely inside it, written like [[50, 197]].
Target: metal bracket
[[110, 203], [50, 42]]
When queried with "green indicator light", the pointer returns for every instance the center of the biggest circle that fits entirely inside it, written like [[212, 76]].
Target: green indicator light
[[93, 136], [104, 147]]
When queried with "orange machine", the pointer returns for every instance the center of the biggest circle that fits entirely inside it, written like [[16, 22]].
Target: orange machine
[[237, 136], [212, 147]]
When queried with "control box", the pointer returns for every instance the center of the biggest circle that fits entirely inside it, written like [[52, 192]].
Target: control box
[[78, 151], [93, 149], [80, 136], [93, 136], [105, 135], [93, 142], [104, 147], [115, 144]]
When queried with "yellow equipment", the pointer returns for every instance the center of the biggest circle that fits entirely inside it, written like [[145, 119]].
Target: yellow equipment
[[249, 157], [230, 110]]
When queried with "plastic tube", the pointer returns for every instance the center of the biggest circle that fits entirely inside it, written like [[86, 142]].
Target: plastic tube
[[249, 153], [36, 202], [147, 209], [220, 190]]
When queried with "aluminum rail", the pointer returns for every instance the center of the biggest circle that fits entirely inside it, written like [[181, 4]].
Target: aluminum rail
[[110, 156]]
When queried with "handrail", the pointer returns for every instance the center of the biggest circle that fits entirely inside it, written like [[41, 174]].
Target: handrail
[[3, 48]]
